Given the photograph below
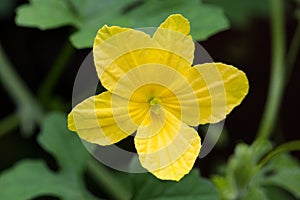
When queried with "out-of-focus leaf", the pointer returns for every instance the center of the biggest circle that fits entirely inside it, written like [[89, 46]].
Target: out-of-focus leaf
[[29, 179], [246, 179], [286, 147], [206, 20], [260, 148], [281, 162], [191, 187], [256, 193], [286, 179], [87, 16], [285, 173], [32, 178], [275, 193], [240, 12], [63, 144], [45, 14], [227, 190], [242, 166]]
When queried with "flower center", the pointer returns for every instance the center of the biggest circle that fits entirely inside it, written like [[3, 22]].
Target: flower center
[[155, 105], [153, 101]]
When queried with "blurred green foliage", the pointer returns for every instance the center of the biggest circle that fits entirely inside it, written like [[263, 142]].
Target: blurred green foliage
[[87, 16], [32, 178], [190, 187], [240, 12], [246, 178], [6, 8]]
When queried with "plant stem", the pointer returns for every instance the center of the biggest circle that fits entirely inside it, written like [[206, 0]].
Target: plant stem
[[107, 180], [286, 147], [29, 108], [276, 85], [9, 123], [12, 82], [56, 71], [293, 52]]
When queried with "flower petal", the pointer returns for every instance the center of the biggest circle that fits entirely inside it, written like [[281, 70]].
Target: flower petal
[[99, 121], [178, 23], [118, 50], [173, 35], [219, 88], [120, 66], [167, 147], [165, 83], [112, 42], [107, 32]]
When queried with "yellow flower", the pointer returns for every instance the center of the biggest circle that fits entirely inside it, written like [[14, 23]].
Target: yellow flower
[[153, 90]]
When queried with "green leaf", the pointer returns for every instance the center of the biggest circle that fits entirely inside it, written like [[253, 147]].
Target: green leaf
[[206, 20], [242, 166], [63, 144], [260, 148], [275, 193], [246, 179], [283, 171], [29, 179], [240, 12], [45, 14], [87, 16], [256, 192], [191, 187], [287, 179], [282, 162], [227, 190], [212, 19], [286, 147], [32, 178], [35, 171]]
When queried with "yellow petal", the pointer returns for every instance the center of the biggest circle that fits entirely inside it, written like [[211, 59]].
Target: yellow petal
[[107, 32], [112, 42], [118, 50], [173, 35], [116, 70], [104, 119], [219, 88], [162, 82], [167, 147], [177, 23]]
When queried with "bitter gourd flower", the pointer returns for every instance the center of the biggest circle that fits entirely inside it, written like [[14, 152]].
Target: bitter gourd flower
[[154, 91]]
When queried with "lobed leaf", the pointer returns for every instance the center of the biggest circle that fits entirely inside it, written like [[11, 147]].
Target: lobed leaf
[[87, 16], [32, 178], [191, 187]]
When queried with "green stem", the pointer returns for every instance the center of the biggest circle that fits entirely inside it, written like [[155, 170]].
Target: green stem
[[286, 147], [107, 180], [9, 123], [13, 83], [293, 52], [277, 70], [21, 95], [55, 73]]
